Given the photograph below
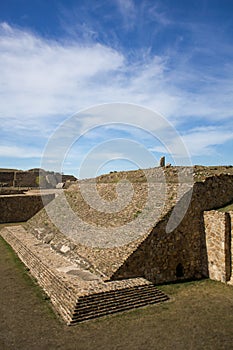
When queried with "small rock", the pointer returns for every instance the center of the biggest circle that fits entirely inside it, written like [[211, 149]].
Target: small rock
[[64, 249], [48, 238]]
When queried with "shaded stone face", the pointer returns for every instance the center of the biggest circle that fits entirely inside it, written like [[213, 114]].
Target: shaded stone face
[[19, 208]]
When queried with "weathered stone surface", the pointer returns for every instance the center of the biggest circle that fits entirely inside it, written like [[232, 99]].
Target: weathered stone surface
[[19, 208], [159, 255], [30, 178], [48, 238]]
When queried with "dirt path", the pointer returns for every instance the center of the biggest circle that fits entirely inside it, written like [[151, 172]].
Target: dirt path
[[200, 316]]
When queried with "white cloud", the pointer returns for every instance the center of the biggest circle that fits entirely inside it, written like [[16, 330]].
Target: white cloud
[[19, 152], [200, 141], [44, 78], [44, 81], [203, 141]]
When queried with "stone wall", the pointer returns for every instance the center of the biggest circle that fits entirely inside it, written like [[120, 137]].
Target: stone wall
[[19, 208], [26, 179], [65, 178], [230, 213], [48, 179], [7, 178], [218, 245], [180, 254]]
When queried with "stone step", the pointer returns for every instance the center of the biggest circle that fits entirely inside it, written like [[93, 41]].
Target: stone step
[[148, 286], [123, 291], [111, 304], [127, 297], [118, 308], [98, 305]]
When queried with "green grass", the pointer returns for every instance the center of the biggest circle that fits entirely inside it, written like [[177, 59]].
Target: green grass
[[29, 280], [229, 207]]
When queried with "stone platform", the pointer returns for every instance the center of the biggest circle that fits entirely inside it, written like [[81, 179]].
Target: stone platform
[[76, 293]]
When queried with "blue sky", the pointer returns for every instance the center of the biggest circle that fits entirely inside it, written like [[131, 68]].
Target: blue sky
[[61, 57]]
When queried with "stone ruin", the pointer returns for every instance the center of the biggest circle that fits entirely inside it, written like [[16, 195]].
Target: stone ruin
[[162, 162], [103, 263], [33, 178]]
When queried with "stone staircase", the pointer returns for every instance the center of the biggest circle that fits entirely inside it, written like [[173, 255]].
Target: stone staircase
[[105, 303]]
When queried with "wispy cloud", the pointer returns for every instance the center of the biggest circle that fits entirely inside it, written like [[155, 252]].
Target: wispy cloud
[[198, 141], [128, 11], [203, 141], [44, 77], [19, 152]]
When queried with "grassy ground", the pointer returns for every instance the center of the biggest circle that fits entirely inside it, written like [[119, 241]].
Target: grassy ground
[[198, 316], [227, 208]]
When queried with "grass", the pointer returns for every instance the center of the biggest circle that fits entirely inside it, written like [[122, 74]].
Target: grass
[[28, 279], [227, 208]]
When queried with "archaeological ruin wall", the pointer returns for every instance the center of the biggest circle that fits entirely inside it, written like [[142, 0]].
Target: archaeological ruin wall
[[218, 244], [19, 208], [26, 179], [7, 178], [33, 178], [183, 253]]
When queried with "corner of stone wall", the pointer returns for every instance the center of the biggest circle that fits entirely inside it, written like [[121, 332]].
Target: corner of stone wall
[[218, 245], [230, 213]]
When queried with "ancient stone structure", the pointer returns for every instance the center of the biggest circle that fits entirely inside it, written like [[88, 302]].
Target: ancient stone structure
[[162, 162], [89, 273], [78, 295], [7, 178], [184, 249], [21, 207], [32, 178]]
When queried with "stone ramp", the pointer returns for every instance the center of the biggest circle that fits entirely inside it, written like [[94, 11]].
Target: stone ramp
[[77, 294]]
